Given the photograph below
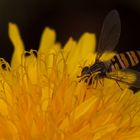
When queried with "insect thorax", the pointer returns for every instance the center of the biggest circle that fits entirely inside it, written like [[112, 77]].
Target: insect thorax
[[99, 67]]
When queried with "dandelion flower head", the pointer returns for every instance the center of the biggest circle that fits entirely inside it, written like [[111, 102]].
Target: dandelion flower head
[[41, 97]]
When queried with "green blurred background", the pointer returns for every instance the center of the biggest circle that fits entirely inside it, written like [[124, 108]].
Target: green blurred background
[[68, 18]]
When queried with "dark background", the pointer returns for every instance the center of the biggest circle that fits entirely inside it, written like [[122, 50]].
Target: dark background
[[68, 18]]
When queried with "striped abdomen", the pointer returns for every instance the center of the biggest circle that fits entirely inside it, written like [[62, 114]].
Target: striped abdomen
[[124, 60]]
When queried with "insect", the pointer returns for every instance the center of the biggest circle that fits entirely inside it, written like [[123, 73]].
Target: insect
[[116, 68]]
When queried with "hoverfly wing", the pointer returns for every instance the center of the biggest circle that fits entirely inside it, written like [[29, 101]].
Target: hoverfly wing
[[128, 76], [110, 34]]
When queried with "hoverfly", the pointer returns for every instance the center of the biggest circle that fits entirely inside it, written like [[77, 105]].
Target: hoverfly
[[109, 37]]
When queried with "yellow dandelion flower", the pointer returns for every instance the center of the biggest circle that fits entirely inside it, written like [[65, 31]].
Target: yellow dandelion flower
[[41, 98]]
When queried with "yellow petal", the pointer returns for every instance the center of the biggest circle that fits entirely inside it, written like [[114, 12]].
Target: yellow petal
[[80, 51], [79, 111], [3, 108], [86, 44], [84, 107], [47, 40], [30, 64], [18, 45]]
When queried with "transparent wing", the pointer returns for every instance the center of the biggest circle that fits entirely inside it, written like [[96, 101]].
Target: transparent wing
[[128, 76], [110, 34]]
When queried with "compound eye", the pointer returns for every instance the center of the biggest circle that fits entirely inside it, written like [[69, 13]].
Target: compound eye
[[85, 70]]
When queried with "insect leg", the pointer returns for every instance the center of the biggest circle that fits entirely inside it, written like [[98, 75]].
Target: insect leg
[[118, 84]]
